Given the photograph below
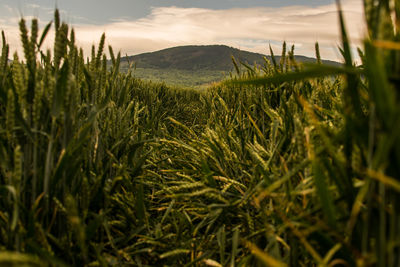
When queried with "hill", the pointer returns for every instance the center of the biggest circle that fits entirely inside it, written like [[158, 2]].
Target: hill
[[193, 66], [208, 57]]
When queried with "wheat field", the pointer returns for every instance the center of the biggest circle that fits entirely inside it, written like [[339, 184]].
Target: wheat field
[[285, 164]]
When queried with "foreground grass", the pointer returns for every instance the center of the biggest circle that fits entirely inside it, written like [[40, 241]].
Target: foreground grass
[[279, 166]]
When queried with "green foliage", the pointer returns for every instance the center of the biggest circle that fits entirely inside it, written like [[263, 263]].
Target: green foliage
[[200, 79], [284, 164]]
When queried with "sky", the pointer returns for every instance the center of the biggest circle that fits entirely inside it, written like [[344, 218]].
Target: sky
[[137, 26]]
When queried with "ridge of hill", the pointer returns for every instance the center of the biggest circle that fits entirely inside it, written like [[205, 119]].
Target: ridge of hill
[[207, 57]]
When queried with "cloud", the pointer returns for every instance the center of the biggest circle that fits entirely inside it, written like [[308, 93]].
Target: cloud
[[246, 28]]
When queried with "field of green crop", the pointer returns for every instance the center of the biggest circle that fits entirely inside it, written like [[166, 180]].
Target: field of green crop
[[284, 165], [196, 79]]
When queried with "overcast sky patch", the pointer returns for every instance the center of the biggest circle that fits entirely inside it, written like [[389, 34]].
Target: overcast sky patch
[[247, 28]]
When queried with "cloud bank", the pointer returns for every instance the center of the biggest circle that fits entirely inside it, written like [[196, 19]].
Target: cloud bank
[[245, 28]]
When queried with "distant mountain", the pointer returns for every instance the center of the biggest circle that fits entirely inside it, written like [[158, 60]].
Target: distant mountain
[[195, 66], [208, 57]]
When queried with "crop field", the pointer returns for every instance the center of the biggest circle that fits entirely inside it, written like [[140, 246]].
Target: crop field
[[180, 78], [285, 164]]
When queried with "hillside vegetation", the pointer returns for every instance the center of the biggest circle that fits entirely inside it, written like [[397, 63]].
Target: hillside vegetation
[[282, 165], [196, 66], [203, 57]]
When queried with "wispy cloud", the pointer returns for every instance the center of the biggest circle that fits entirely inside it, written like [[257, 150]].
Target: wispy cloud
[[247, 28]]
